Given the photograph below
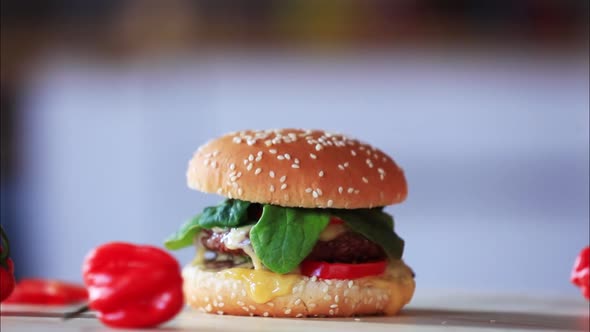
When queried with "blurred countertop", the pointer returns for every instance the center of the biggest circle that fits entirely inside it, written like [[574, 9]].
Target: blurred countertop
[[429, 311]]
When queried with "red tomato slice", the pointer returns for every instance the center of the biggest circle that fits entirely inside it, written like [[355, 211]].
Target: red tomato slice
[[327, 270], [336, 221]]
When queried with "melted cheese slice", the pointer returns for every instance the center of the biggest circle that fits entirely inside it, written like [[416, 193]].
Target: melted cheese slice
[[263, 285]]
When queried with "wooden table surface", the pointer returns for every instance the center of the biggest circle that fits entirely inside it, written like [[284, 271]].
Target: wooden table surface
[[429, 311]]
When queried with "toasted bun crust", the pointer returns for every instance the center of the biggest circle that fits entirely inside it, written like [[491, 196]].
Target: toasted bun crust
[[297, 168], [211, 292]]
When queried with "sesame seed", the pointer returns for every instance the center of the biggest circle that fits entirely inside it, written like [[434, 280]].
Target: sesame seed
[[365, 180], [297, 302], [314, 194], [295, 165], [245, 161], [232, 166], [299, 316], [296, 161], [251, 157], [380, 170], [283, 186], [265, 314], [352, 152], [312, 305], [259, 153], [336, 298], [318, 147], [214, 164], [237, 140], [346, 164], [252, 307], [208, 308], [257, 171], [245, 309], [270, 304], [240, 303], [331, 312], [287, 311], [330, 203], [333, 306], [271, 188], [271, 174], [350, 283], [259, 158], [240, 191], [233, 178], [313, 156], [280, 157], [249, 167], [350, 190], [340, 189], [357, 191], [327, 297], [283, 178], [321, 173], [206, 162], [251, 314], [308, 190], [220, 312], [287, 156], [341, 167], [272, 151]]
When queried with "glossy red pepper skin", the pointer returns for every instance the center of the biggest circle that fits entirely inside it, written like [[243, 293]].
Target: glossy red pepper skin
[[6, 268], [47, 292], [581, 272], [133, 286]]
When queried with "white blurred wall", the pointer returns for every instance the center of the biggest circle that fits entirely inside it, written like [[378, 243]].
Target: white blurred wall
[[495, 150]]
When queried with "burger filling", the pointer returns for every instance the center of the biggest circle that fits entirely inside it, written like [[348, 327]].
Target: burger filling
[[290, 240]]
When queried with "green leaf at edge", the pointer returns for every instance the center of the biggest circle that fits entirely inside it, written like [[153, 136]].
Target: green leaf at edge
[[185, 234]]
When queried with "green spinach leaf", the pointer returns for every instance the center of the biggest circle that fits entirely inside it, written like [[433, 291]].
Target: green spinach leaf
[[230, 213], [283, 236]]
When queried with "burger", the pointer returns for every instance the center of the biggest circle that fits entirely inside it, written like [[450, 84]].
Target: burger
[[301, 231]]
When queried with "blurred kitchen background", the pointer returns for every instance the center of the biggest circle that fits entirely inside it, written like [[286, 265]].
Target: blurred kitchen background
[[484, 103]]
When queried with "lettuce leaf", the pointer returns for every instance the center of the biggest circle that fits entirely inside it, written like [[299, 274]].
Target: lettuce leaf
[[230, 213], [283, 236]]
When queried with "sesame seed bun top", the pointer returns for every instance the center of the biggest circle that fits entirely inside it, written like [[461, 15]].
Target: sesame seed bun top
[[297, 168]]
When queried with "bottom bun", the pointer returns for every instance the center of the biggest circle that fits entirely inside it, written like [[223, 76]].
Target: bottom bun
[[220, 293]]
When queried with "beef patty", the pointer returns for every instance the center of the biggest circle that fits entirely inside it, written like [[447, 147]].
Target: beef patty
[[348, 247]]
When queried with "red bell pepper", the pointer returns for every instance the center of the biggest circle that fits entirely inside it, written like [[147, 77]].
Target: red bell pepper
[[47, 292], [6, 267], [133, 286], [581, 272]]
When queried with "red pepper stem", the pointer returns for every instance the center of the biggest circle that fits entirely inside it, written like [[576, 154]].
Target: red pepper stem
[[76, 313]]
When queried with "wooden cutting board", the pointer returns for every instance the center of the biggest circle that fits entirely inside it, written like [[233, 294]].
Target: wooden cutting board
[[429, 311]]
